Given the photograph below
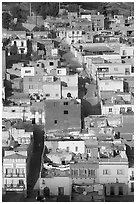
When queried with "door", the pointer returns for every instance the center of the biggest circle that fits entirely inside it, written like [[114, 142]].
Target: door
[[60, 191]]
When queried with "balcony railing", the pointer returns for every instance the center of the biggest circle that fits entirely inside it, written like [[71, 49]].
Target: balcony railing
[[15, 175], [11, 187]]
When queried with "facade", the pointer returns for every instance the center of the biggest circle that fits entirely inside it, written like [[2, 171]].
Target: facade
[[32, 84], [62, 114], [52, 90], [75, 146], [131, 181], [110, 69], [114, 174], [15, 174], [21, 45], [27, 71], [97, 22], [111, 84]]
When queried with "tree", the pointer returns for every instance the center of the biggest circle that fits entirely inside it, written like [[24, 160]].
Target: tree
[[73, 8], [19, 13], [6, 20], [14, 49]]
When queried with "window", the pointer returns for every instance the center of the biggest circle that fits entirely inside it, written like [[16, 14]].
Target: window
[[120, 190], [30, 79], [37, 65], [21, 182], [111, 190], [76, 149], [132, 187], [47, 95], [132, 69], [30, 86], [110, 110], [67, 149], [75, 172], [13, 111], [22, 44], [106, 172], [60, 191], [65, 103], [57, 94], [120, 171], [77, 32], [22, 51], [122, 110], [91, 172], [27, 71], [51, 63], [55, 121], [42, 65], [73, 32], [65, 112]]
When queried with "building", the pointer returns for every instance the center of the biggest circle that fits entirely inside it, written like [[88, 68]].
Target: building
[[52, 90], [112, 84], [27, 71], [110, 69], [117, 103], [113, 173], [56, 178], [21, 45], [15, 173], [62, 114]]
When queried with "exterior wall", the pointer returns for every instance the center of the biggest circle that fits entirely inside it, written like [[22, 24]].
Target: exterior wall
[[62, 71], [21, 44], [55, 182], [57, 117], [3, 63], [110, 85], [116, 187], [85, 173], [10, 112], [27, 71], [48, 64], [32, 84], [71, 80], [112, 176], [88, 16], [72, 90], [113, 69], [131, 181], [97, 22], [73, 146], [115, 108], [127, 51], [73, 36], [9, 179], [52, 90]]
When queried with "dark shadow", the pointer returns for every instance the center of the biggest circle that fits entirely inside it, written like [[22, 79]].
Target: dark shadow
[[81, 86], [35, 162], [88, 109]]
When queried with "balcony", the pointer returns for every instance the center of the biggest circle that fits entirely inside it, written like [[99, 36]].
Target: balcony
[[13, 187], [11, 175], [131, 178]]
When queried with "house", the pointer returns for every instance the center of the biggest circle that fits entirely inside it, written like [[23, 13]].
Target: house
[[126, 51], [62, 114], [32, 84], [15, 173], [85, 51], [112, 84], [52, 90], [27, 71], [55, 178], [21, 45], [97, 22], [110, 69], [117, 103], [113, 173]]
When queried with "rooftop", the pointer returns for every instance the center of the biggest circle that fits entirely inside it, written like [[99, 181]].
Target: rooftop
[[15, 156]]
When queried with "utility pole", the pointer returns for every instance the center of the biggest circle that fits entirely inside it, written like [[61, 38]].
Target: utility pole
[[30, 8]]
